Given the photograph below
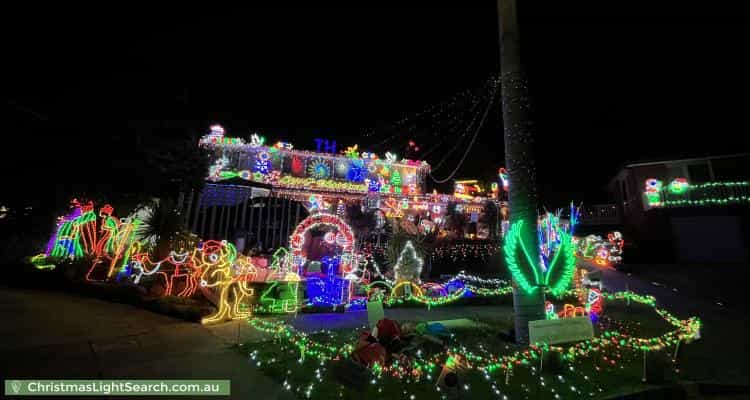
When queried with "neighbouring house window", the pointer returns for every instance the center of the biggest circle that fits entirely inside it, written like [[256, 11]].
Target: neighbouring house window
[[699, 173]]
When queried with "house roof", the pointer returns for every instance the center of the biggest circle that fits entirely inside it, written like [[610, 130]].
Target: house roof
[[662, 161]]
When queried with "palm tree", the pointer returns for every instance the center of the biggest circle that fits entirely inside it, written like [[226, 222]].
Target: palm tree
[[161, 226], [519, 160]]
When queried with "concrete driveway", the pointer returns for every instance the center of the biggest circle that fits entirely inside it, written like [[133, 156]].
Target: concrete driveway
[[718, 355]]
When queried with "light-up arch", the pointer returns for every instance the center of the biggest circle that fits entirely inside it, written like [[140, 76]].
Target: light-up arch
[[344, 237]]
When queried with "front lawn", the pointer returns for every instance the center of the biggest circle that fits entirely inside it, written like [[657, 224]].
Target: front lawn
[[325, 371]]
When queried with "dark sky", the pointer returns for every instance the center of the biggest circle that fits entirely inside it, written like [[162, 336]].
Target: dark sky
[[607, 84]]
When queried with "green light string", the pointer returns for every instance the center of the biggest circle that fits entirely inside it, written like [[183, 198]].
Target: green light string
[[511, 250], [563, 282], [706, 194], [686, 330], [556, 284]]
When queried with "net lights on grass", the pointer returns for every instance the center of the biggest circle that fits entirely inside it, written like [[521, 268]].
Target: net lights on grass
[[424, 368]]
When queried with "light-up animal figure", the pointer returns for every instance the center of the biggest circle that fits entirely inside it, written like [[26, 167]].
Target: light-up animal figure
[[183, 268], [172, 269], [216, 260], [142, 265]]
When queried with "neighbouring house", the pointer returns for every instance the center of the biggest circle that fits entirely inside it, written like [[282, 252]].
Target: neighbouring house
[[690, 210]]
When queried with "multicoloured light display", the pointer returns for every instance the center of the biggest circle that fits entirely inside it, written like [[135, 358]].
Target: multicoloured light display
[[532, 274], [679, 193], [603, 252], [502, 173], [653, 192], [467, 189], [79, 235], [678, 186], [324, 170], [425, 368], [215, 260]]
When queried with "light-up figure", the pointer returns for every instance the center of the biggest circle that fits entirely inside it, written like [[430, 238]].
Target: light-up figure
[[216, 260], [679, 186], [653, 192], [502, 173]]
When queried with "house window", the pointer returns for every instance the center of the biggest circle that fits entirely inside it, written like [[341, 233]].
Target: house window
[[699, 173]]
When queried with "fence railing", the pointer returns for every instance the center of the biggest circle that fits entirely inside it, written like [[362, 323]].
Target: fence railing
[[600, 214], [705, 194]]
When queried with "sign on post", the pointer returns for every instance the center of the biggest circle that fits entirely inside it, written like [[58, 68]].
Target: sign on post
[[374, 312], [563, 330]]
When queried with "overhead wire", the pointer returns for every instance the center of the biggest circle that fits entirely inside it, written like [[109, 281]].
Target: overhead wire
[[473, 139]]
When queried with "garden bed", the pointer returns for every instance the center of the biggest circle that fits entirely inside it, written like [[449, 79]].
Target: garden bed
[[67, 278]]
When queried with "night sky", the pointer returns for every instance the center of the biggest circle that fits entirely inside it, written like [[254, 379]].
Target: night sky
[[607, 85]]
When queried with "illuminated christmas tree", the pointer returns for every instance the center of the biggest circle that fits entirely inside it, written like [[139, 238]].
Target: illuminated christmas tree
[[396, 178], [409, 265]]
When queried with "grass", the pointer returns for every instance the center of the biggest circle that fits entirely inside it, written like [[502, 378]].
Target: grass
[[594, 376]]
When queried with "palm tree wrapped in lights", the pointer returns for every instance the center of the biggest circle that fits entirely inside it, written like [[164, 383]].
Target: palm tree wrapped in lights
[[521, 244]]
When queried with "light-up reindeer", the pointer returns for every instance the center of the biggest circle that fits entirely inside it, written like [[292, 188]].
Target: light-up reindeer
[[216, 260], [142, 265], [172, 269]]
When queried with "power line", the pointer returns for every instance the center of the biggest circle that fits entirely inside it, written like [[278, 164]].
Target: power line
[[473, 139]]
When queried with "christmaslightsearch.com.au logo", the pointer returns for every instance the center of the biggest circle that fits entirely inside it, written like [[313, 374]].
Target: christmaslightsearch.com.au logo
[[34, 387]]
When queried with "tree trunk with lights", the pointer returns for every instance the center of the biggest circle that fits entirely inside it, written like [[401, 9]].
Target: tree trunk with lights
[[519, 160]]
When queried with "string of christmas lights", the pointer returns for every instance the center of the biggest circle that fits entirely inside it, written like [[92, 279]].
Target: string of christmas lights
[[465, 251], [611, 346]]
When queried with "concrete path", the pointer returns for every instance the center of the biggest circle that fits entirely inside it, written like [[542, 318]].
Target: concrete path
[[57, 335]]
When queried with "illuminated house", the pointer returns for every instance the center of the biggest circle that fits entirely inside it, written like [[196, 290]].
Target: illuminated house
[[690, 210], [294, 182]]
